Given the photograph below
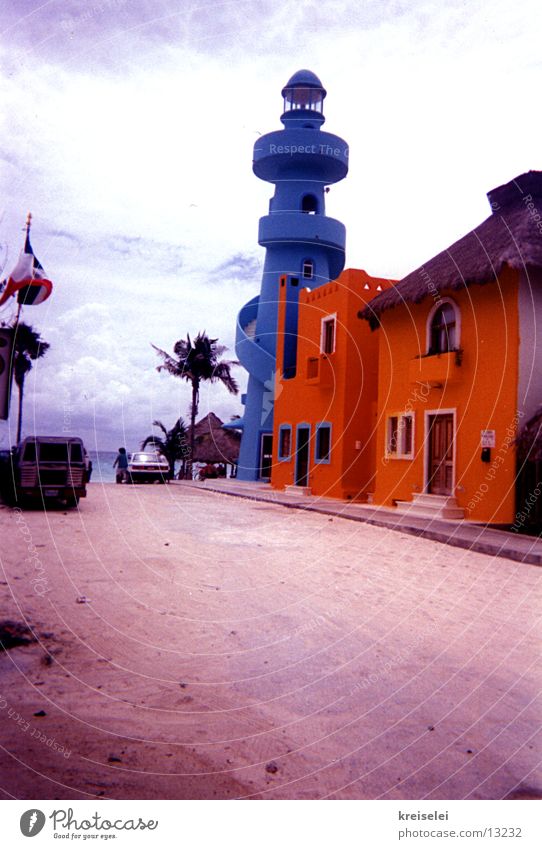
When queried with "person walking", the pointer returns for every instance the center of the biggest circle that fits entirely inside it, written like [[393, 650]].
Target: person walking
[[121, 461]]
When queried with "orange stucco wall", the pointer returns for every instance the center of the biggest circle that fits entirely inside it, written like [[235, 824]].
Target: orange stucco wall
[[344, 394], [482, 391]]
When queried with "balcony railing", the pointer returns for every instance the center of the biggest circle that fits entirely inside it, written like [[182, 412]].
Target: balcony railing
[[319, 371], [436, 369]]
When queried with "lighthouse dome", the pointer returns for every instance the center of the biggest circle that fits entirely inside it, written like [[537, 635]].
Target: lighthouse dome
[[305, 79], [304, 99]]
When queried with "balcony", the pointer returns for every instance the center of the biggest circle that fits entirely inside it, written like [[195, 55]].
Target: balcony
[[257, 361], [436, 369], [319, 372], [281, 227]]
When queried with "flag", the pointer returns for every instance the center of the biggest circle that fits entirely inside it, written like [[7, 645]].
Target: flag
[[27, 279], [36, 288]]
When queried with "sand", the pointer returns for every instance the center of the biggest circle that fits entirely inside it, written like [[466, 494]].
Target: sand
[[187, 644]]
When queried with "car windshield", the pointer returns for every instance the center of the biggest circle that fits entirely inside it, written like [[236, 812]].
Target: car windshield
[[147, 458]]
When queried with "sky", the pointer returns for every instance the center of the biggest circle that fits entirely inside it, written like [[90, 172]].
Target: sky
[[127, 131]]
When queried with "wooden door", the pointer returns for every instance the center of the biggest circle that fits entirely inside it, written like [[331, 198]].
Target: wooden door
[[302, 457], [441, 454]]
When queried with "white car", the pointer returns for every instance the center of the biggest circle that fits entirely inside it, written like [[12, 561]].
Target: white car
[[148, 466]]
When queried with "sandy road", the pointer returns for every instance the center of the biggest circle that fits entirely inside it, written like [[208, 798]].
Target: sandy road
[[227, 648]]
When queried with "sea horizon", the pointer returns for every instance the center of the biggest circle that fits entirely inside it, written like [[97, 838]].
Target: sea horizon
[[102, 466]]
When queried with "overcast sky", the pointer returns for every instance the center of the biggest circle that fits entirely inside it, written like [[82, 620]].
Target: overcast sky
[[128, 128]]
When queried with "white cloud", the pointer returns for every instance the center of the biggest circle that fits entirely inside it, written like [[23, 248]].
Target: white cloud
[[128, 131]]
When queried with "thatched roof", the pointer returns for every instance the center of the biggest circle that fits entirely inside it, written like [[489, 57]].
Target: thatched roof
[[529, 440], [512, 235], [213, 443]]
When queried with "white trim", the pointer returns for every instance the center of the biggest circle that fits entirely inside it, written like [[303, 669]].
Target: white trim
[[436, 306], [396, 455], [332, 316], [441, 411]]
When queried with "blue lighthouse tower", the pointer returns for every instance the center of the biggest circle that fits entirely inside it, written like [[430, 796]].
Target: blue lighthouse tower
[[303, 248]]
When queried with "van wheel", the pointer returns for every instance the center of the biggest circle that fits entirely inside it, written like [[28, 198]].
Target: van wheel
[[72, 501]]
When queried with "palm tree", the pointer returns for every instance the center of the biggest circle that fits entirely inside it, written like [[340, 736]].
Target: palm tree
[[28, 346], [198, 362], [173, 445]]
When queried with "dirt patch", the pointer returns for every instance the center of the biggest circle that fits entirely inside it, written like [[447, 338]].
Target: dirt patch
[[14, 634]]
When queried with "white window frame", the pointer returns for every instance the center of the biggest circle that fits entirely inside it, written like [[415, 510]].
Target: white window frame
[[440, 303], [399, 453], [326, 320], [307, 263]]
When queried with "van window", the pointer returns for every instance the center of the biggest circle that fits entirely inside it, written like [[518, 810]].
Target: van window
[[76, 453], [30, 452], [53, 452]]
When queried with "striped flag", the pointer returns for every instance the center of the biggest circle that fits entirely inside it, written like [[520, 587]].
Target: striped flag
[[27, 279]]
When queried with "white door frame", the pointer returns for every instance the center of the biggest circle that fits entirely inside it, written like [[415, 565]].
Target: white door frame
[[440, 411]]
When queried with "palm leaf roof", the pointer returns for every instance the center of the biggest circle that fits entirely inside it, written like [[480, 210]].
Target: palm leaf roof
[[213, 444]]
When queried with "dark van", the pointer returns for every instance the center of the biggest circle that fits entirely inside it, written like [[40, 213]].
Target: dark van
[[47, 467]]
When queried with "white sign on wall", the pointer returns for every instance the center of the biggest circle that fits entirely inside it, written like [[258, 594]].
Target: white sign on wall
[[487, 438]]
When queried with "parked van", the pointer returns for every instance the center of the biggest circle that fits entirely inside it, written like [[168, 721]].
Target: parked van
[[47, 467]]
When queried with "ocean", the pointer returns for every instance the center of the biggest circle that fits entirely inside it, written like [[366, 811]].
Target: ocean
[[102, 466]]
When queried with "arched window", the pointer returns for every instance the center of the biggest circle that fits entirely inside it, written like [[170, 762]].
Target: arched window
[[443, 330], [309, 204]]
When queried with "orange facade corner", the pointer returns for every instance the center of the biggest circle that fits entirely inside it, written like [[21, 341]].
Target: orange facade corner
[[325, 414]]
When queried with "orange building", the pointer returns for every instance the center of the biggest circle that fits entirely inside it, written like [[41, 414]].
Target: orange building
[[460, 365], [325, 405]]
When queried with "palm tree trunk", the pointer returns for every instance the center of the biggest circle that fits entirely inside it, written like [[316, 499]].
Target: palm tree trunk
[[20, 417], [193, 414]]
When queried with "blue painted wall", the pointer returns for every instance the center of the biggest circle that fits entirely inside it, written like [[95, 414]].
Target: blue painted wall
[[301, 160]]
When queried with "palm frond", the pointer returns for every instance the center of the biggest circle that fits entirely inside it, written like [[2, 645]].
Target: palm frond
[[153, 440], [223, 374], [157, 423]]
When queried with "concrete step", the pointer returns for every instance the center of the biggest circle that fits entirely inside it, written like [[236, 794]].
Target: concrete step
[[293, 489], [429, 506], [434, 501], [408, 508]]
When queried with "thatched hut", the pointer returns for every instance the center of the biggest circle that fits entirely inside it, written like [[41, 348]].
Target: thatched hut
[[215, 444]]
